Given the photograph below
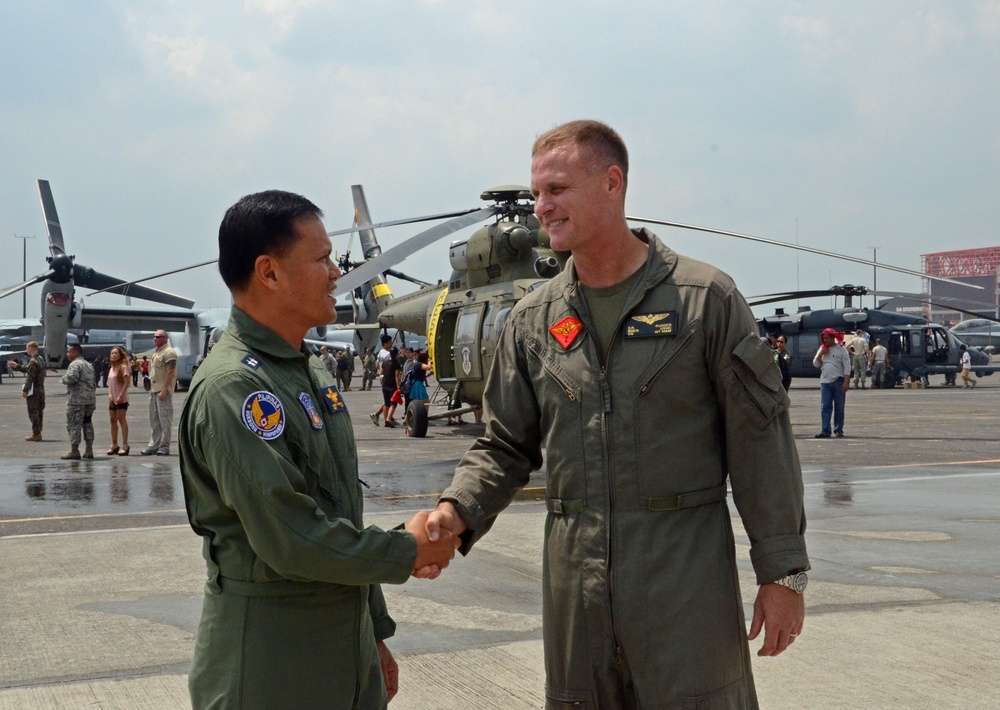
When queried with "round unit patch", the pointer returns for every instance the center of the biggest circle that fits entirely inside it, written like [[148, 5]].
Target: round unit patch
[[264, 415]]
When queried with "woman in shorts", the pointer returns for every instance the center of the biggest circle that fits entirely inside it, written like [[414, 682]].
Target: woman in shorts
[[119, 379]]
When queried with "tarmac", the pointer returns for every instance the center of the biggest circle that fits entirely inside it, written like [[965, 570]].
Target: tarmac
[[101, 578]]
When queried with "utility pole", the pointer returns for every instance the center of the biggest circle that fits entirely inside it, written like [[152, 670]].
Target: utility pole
[[24, 271]]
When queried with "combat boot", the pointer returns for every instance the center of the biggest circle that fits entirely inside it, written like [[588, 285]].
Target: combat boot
[[72, 455], [88, 452], [33, 437]]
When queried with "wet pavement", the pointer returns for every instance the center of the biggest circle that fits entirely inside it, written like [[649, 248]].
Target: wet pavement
[[101, 584]]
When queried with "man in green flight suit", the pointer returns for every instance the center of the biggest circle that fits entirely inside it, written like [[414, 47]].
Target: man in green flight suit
[[293, 615], [33, 389], [641, 375]]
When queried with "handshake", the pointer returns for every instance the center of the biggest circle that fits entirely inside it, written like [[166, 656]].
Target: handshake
[[437, 534]]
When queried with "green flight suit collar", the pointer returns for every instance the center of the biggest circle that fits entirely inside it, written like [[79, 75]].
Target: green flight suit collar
[[260, 338], [660, 263]]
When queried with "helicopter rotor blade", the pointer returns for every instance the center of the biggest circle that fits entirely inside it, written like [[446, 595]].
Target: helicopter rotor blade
[[398, 253], [941, 302], [409, 220], [799, 247], [791, 295], [52, 226], [30, 282], [89, 278], [116, 288], [407, 277]]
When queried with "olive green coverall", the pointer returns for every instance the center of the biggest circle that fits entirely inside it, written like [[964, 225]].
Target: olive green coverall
[[292, 606], [641, 599]]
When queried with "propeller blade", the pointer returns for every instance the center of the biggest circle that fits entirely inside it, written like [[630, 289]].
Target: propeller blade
[[56, 245], [409, 220], [393, 256], [88, 278], [799, 247], [150, 278], [30, 282]]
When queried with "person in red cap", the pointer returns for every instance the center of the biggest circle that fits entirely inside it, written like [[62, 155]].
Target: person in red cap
[[834, 363]]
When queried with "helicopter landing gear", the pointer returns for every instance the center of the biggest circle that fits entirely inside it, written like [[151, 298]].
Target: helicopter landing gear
[[415, 420]]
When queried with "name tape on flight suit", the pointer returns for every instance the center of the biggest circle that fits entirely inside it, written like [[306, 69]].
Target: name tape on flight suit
[[649, 325]]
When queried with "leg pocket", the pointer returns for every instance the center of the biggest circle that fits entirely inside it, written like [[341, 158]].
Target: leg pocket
[[566, 699], [734, 696]]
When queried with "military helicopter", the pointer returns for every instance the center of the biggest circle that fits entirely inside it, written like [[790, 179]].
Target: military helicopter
[[491, 270], [916, 346]]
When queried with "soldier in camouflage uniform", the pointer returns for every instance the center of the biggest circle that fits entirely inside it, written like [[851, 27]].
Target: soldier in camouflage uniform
[[80, 403], [33, 390]]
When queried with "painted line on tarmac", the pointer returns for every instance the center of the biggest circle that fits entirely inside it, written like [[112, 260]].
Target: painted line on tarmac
[[4, 521], [907, 479]]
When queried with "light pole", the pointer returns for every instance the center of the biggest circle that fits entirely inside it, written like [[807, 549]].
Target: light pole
[[24, 271]]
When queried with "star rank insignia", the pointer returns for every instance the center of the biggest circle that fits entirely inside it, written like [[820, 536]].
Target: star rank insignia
[[334, 402], [566, 331]]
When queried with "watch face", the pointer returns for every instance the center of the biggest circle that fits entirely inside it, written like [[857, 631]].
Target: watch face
[[799, 582]]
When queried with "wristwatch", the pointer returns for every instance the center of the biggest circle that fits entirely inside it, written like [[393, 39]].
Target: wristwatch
[[796, 582]]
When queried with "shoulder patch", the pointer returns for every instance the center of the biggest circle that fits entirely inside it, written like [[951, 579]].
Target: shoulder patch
[[264, 415], [333, 399], [315, 418], [251, 362]]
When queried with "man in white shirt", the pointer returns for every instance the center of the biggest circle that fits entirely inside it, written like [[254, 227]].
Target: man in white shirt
[[966, 367], [834, 364]]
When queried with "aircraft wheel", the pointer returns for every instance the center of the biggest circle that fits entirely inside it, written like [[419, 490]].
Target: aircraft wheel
[[415, 420], [889, 381]]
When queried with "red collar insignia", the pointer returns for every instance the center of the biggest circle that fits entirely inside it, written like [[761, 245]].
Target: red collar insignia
[[566, 330]]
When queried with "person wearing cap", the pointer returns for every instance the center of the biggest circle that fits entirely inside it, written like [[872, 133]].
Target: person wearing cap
[[834, 364], [162, 375], [860, 355]]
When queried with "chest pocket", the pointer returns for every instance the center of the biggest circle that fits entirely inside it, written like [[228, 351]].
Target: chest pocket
[[755, 382]]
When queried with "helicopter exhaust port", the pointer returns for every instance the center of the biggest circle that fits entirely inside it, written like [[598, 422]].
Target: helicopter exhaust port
[[546, 267]]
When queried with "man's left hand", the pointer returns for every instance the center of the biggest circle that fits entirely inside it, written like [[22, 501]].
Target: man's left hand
[[780, 612], [390, 671], [163, 394]]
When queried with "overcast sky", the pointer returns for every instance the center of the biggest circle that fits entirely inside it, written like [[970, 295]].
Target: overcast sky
[[844, 125]]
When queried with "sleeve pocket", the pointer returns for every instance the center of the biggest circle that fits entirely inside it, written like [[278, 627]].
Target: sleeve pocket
[[754, 381]]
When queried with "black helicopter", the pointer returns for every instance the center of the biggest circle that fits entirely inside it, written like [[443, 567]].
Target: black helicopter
[[917, 347]]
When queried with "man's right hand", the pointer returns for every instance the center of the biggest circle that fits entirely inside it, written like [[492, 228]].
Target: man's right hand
[[432, 555], [445, 518]]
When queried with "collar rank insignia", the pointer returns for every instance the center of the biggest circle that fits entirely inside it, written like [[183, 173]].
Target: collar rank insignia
[[334, 402], [650, 325], [315, 418], [566, 330], [251, 362], [264, 415]]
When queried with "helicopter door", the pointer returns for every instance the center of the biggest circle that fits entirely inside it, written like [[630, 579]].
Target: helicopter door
[[444, 337], [467, 354]]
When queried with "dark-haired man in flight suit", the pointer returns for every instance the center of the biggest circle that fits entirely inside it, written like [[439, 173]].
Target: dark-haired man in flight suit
[[293, 615]]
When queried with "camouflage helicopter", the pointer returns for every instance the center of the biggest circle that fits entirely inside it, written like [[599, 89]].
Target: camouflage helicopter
[[491, 270]]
